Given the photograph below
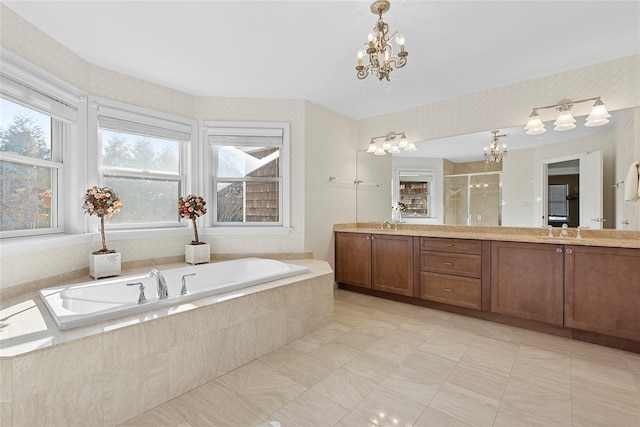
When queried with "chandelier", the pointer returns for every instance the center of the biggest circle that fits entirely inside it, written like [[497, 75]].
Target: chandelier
[[497, 150], [599, 116], [390, 142], [379, 48]]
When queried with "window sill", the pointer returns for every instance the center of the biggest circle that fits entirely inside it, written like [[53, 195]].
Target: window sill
[[246, 231]]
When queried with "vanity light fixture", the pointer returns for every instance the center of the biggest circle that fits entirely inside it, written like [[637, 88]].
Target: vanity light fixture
[[497, 150], [599, 116], [390, 142], [380, 49]]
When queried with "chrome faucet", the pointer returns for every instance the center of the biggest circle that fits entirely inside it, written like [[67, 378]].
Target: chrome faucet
[[163, 291]]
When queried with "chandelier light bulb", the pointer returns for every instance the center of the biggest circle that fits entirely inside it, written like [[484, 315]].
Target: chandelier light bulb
[[400, 40]]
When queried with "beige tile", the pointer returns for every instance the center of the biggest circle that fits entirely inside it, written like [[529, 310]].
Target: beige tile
[[242, 377], [542, 377], [544, 403], [233, 411], [487, 382], [547, 342], [6, 368], [500, 332], [633, 359], [464, 324], [370, 366], [413, 385], [310, 409], [509, 416], [442, 345], [37, 371], [6, 415], [164, 415], [433, 367], [206, 394], [466, 405], [345, 387], [597, 404], [236, 347], [597, 353], [537, 357], [603, 374], [272, 392], [270, 335], [490, 353], [432, 417], [384, 407], [354, 420], [307, 370], [75, 403], [132, 388], [334, 355], [193, 363], [139, 340], [396, 350], [281, 357]]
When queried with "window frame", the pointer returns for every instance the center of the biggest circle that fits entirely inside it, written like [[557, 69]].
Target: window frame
[[213, 128], [35, 89], [143, 117]]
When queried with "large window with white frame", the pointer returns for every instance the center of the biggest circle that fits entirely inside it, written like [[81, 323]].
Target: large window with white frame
[[247, 173], [38, 118], [143, 156]]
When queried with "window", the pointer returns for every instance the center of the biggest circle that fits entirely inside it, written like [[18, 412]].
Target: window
[[37, 119], [558, 202], [248, 173], [143, 156]]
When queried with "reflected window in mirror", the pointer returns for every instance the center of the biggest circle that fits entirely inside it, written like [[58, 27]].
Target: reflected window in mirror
[[415, 189]]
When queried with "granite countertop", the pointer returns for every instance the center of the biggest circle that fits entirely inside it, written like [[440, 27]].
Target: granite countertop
[[605, 238]]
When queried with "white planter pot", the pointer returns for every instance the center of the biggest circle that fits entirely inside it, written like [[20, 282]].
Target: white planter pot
[[104, 265], [197, 254]]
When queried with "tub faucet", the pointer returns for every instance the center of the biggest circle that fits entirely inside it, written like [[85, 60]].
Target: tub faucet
[[163, 291]]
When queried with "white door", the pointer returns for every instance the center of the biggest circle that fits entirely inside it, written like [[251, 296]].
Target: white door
[[591, 190]]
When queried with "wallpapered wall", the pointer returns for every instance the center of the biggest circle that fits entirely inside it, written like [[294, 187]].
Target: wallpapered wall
[[323, 142]]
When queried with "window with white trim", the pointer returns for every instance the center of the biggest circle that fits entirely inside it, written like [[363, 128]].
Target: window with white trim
[[38, 117], [143, 156], [247, 173]]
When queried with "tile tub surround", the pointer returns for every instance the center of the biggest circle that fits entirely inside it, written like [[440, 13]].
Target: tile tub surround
[[108, 373]]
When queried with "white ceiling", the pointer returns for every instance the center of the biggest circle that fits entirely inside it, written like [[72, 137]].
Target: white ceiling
[[307, 49]]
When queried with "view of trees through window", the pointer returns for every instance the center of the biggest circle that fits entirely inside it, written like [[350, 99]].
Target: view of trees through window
[[25, 184], [145, 172]]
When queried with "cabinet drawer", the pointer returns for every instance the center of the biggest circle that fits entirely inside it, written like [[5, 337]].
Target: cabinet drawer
[[460, 291], [450, 263], [461, 246]]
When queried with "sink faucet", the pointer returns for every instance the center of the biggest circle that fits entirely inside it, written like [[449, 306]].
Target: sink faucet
[[163, 291]]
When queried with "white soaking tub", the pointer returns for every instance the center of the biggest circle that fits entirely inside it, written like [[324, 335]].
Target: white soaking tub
[[86, 303]]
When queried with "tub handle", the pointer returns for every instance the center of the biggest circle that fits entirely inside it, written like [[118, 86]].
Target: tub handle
[[141, 299], [184, 289]]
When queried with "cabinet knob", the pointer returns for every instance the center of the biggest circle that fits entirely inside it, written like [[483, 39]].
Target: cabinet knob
[[448, 263], [447, 289], [368, 237], [448, 245], [569, 250], [558, 250]]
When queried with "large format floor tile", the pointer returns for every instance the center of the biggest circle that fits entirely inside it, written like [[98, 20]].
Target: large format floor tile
[[385, 363]]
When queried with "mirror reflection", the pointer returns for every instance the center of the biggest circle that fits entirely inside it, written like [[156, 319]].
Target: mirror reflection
[[573, 177]]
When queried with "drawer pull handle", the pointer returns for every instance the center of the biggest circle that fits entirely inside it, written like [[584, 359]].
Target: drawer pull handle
[[447, 289], [448, 245], [448, 263]]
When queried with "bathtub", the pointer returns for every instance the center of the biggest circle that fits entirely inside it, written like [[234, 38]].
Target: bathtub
[[87, 303]]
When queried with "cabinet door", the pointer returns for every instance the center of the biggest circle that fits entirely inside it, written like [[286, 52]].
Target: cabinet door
[[392, 264], [353, 259], [527, 280], [602, 290]]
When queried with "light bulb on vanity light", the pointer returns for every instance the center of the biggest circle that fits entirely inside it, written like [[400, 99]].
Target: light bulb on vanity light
[[534, 125], [565, 120], [599, 115]]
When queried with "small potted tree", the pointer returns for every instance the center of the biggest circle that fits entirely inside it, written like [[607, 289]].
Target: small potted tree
[[192, 207], [102, 202]]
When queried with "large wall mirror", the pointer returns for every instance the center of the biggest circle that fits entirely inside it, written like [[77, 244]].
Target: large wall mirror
[[574, 177]]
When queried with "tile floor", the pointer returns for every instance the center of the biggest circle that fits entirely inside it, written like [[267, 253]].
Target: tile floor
[[383, 363]]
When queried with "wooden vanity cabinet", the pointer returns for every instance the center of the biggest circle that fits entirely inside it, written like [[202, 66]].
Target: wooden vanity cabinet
[[375, 261], [602, 290], [451, 271], [527, 280], [353, 259]]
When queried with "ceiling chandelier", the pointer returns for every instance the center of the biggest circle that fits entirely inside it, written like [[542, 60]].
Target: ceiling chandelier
[[599, 116], [379, 48], [390, 142], [497, 150]]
